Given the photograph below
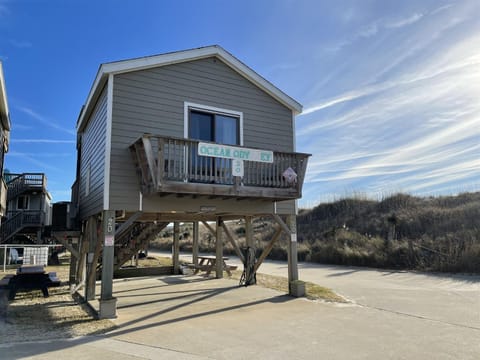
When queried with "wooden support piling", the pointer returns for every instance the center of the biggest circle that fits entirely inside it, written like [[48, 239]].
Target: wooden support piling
[[195, 243], [108, 303], [292, 253], [176, 248], [92, 276], [268, 248], [249, 231], [232, 241], [219, 249]]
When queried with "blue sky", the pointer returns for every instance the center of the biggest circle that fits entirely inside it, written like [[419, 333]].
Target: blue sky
[[391, 89]]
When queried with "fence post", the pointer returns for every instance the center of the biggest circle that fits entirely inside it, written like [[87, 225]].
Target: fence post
[[5, 258]]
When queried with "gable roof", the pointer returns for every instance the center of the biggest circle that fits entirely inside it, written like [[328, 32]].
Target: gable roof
[[125, 66], [4, 113]]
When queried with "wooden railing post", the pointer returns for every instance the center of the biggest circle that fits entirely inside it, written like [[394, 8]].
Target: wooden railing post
[[150, 160], [160, 162]]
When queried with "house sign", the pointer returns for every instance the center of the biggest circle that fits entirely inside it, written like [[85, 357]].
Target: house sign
[[234, 153]]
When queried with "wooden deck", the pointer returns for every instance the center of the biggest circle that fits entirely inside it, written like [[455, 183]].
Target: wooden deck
[[173, 166]]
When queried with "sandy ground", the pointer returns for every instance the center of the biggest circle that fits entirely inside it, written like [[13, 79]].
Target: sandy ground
[[32, 317]]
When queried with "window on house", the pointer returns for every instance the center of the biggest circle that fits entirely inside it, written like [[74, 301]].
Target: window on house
[[206, 123], [22, 203], [210, 126]]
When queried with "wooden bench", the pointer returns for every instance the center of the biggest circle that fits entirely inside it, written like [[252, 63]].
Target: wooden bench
[[28, 281], [54, 280], [209, 266], [31, 278], [197, 267]]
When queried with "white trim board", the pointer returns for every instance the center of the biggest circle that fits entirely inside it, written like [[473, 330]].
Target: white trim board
[[108, 145]]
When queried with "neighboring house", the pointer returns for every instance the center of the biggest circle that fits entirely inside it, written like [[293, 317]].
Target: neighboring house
[[4, 138], [193, 135], [29, 208]]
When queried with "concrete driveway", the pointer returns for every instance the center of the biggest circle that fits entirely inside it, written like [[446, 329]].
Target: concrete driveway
[[188, 317], [452, 299]]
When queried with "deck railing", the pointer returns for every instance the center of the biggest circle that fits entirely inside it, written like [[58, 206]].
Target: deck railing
[[20, 183], [18, 220], [180, 163]]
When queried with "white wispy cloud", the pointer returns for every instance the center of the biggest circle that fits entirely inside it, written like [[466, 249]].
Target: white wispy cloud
[[44, 120], [374, 28], [418, 130], [19, 126], [21, 44], [61, 194], [46, 141], [421, 75], [399, 23], [39, 154], [4, 10], [43, 165]]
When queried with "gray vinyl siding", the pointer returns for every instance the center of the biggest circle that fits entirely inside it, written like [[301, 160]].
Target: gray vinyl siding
[[285, 207], [93, 159], [152, 101]]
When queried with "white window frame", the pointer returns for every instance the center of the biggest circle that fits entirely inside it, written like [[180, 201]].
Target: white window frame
[[187, 106]]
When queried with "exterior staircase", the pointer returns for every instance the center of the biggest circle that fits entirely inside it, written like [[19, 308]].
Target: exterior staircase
[[18, 223], [24, 220], [132, 240]]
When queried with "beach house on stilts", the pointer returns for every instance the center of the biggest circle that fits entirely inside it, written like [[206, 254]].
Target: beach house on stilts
[[189, 136]]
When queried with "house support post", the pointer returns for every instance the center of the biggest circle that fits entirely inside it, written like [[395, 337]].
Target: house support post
[[176, 248], [83, 246], [292, 255], [195, 243], [91, 264], [108, 304], [219, 249], [39, 237], [72, 276], [249, 231]]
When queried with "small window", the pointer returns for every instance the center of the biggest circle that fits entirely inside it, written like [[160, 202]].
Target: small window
[[22, 203]]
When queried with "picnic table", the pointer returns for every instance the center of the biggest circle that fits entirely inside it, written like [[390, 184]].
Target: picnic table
[[208, 264], [31, 278]]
